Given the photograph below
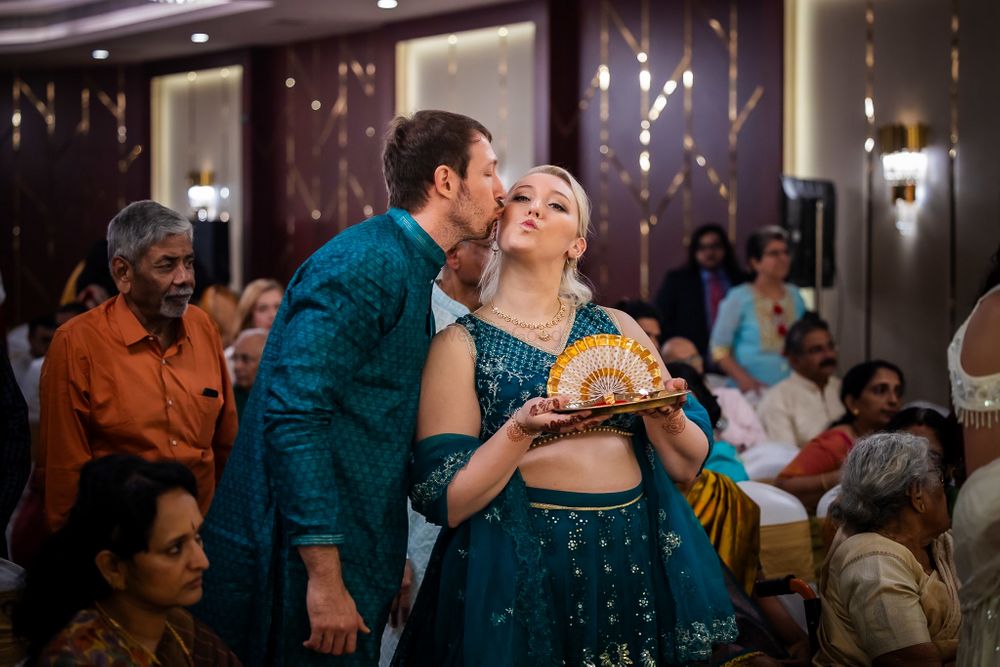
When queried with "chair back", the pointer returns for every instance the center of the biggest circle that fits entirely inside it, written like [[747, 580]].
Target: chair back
[[765, 460], [785, 534]]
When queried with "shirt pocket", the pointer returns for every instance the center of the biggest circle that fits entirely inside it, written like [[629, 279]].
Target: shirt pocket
[[204, 415]]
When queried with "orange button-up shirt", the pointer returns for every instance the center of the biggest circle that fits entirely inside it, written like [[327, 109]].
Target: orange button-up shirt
[[107, 387]]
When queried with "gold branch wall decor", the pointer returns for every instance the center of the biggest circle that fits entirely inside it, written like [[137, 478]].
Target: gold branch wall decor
[[620, 163], [305, 86]]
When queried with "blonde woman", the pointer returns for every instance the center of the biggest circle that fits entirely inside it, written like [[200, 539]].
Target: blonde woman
[[259, 304], [566, 540]]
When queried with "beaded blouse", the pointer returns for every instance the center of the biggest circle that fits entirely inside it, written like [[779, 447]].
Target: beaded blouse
[[510, 372], [976, 398]]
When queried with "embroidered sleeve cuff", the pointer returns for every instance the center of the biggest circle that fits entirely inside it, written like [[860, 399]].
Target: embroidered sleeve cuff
[[720, 352], [317, 540]]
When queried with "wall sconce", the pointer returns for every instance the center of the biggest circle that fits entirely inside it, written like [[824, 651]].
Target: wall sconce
[[904, 167], [203, 197]]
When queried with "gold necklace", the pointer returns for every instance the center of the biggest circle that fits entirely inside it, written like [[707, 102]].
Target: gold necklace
[[131, 638], [539, 327]]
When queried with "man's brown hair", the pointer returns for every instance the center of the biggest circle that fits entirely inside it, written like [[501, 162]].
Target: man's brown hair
[[417, 145]]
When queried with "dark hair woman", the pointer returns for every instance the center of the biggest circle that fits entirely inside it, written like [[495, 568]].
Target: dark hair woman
[[109, 586], [754, 318], [871, 393]]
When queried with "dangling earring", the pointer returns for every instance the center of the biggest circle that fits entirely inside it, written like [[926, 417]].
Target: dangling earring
[[494, 247]]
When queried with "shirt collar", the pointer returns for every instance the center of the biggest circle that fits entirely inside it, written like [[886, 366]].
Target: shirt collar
[[131, 328], [445, 302], [420, 238]]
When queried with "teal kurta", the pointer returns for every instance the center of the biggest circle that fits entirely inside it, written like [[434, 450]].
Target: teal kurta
[[322, 453]]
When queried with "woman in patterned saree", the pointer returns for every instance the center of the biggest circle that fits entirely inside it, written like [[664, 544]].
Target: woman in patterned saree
[[572, 547]]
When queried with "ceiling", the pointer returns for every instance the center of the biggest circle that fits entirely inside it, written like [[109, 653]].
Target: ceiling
[[42, 33]]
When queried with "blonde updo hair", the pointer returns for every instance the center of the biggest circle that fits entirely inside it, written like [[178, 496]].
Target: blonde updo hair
[[573, 287]]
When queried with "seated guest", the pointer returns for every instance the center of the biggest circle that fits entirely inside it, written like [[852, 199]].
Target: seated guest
[[871, 394], [646, 316], [801, 406], [741, 427], [732, 521], [754, 318], [689, 297], [33, 376], [247, 350], [723, 457], [109, 587], [889, 587]]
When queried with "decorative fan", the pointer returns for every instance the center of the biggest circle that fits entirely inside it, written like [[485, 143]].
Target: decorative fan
[[604, 365]]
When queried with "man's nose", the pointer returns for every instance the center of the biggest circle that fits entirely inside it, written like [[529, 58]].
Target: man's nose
[[184, 274]]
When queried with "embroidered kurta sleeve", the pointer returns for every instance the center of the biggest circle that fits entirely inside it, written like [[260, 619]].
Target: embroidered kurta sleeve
[[726, 324], [337, 316]]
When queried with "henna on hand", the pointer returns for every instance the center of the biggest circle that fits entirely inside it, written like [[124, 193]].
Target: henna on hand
[[546, 405], [676, 424], [516, 431]]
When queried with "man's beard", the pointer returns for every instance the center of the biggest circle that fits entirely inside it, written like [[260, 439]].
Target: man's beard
[[172, 306], [467, 217]]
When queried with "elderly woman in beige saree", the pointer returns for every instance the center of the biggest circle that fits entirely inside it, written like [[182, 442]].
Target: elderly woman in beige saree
[[889, 588]]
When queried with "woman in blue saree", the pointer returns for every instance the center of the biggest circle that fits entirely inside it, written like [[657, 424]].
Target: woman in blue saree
[[565, 540]]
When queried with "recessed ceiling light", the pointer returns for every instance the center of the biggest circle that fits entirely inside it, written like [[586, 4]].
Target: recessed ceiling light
[[387, 4], [199, 37], [100, 54]]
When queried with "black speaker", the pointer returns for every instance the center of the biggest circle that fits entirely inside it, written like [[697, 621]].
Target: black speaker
[[798, 207]]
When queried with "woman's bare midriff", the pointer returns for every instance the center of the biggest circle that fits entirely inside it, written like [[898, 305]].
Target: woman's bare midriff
[[586, 463]]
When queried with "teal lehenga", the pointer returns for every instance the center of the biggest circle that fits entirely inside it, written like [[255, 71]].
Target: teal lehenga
[[544, 577]]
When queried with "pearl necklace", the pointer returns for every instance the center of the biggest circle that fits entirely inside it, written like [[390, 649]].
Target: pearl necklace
[[539, 327]]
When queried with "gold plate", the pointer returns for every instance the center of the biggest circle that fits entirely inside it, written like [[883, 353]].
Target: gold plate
[[634, 403]]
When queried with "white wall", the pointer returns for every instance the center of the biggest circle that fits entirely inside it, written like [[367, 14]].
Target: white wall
[[825, 135], [477, 87]]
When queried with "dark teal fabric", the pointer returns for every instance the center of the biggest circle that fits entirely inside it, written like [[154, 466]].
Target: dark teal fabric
[[495, 591], [323, 447]]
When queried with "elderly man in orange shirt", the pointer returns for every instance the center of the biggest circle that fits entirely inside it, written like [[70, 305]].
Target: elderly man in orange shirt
[[143, 373]]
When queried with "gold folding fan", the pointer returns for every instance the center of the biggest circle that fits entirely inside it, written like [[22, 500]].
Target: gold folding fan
[[604, 364]]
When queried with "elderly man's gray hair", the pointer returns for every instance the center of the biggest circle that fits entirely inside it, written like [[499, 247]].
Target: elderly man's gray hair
[[141, 225], [877, 476]]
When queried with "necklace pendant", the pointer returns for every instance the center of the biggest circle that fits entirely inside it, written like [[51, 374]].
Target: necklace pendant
[[544, 335]]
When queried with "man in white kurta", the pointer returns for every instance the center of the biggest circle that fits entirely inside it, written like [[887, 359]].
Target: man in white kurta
[[803, 405]]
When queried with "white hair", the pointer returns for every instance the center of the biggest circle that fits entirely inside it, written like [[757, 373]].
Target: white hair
[[573, 287], [877, 476], [250, 333], [141, 225]]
